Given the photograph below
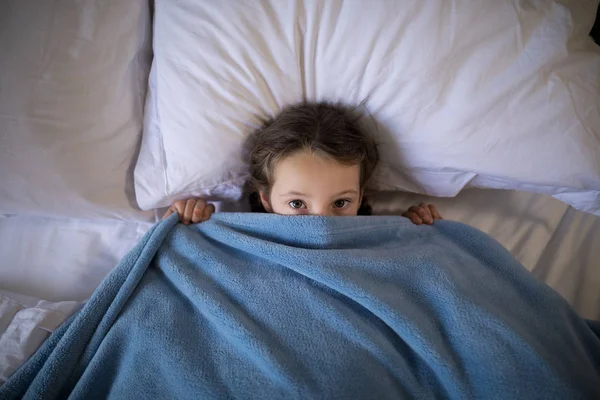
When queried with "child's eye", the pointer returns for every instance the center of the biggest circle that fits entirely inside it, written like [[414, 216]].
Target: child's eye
[[296, 204], [341, 203]]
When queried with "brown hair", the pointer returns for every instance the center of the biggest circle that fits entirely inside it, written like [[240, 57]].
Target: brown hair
[[328, 129]]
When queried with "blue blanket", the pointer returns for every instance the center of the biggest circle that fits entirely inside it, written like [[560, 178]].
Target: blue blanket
[[264, 306]]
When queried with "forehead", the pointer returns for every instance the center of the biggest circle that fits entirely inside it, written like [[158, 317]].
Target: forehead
[[310, 173]]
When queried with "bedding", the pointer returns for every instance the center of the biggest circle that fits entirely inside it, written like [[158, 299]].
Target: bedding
[[558, 244], [58, 259], [25, 323], [73, 78], [69, 257], [49, 267], [501, 94], [266, 306]]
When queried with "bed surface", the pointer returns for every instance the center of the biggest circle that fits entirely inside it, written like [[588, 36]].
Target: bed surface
[[49, 265], [561, 246], [429, 312], [558, 244], [58, 259]]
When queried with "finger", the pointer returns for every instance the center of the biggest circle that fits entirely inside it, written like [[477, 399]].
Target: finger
[[423, 212], [198, 211], [414, 217], [434, 211], [208, 212], [429, 216], [189, 209], [179, 207], [169, 212]]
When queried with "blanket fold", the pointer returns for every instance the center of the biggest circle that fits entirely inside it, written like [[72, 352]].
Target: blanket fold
[[265, 306]]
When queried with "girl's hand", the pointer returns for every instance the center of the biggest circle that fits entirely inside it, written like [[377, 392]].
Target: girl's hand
[[422, 214], [191, 210]]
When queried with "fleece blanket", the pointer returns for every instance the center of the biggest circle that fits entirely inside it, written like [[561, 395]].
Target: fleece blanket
[[260, 306]]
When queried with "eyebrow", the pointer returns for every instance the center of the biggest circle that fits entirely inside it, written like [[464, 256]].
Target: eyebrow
[[351, 191]]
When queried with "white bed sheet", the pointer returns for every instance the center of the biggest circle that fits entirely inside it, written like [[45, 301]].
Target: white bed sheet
[[62, 259], [25, 323], [66, 259]]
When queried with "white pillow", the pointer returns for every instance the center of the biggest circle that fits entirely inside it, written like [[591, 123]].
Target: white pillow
[[494, 93], [72, 85]]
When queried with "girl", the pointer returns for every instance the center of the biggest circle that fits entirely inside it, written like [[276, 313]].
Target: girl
[[312, 158]]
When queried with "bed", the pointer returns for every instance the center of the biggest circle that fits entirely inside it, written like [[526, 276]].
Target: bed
[[71, 199], [558, 244]]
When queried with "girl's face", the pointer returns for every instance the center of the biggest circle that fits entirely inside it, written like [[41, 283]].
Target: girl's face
[[306, 183]]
